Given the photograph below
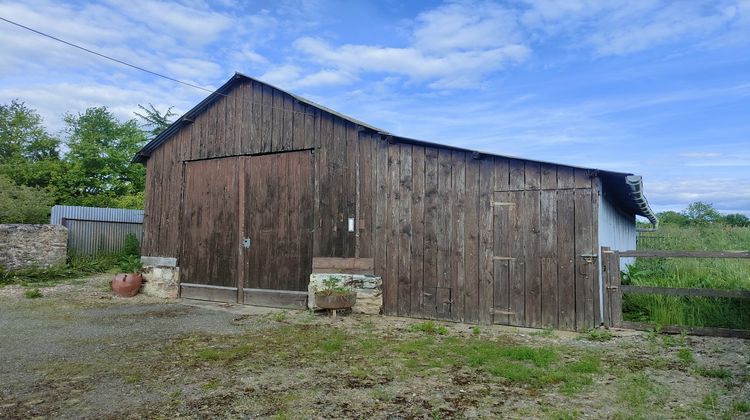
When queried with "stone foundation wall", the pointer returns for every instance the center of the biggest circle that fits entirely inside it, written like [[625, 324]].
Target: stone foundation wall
[[161, 277], [23, 246], [369, 290]]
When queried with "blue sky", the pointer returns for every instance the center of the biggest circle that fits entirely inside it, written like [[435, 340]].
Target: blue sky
[[661, 89]]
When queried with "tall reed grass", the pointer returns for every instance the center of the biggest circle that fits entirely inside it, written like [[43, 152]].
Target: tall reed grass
[[731, 274]]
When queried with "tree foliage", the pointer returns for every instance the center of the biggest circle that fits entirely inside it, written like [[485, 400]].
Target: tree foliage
[[98, 167], [702, 214], [87, 164], [22, 204]]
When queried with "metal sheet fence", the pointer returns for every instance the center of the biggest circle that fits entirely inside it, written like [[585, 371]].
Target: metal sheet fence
[[94, 230]]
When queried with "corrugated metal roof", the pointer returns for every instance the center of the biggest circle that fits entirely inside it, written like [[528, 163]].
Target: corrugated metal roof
[[102, 214]]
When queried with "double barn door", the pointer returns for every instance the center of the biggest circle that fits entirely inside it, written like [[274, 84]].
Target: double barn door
[[246, 229]]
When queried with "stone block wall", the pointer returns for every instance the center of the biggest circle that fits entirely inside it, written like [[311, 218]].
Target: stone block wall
[[369, 290], [23, 246]]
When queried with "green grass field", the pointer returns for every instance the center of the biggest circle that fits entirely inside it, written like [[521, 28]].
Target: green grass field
[[687, 272]]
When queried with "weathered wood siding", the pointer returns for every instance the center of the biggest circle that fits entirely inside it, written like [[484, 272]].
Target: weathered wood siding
[[425, 214]]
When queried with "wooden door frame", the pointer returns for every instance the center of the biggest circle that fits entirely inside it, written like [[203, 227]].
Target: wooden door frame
[[261, 297]]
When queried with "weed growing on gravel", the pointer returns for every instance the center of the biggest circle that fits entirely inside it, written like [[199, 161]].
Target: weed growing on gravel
[[741, 407], [212, 384], [32, 294], [638, 392], [597, 335], [224, 354], [546, 332], [429, 327], [718, 373], [280, 316], [685, 355]]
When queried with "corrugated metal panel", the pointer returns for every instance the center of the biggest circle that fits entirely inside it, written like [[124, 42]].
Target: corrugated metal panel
[[94, 237], [95, 213], [95, 230], [616, 229]]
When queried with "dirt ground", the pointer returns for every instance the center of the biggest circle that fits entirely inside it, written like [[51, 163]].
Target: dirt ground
[[78, 352]]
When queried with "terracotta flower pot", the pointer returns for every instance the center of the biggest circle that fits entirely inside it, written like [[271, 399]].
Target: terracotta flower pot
[[126, 284], [335, 300]]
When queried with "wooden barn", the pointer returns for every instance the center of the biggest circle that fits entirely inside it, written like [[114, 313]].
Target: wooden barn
[[251, 184]]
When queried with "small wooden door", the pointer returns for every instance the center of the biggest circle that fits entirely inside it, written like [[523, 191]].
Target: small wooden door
[[279, 221], [208, 230]]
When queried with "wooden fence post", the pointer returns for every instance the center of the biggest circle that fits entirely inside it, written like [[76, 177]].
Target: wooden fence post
[[615, 291]]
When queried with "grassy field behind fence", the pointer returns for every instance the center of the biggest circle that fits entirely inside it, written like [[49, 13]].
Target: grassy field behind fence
[[688, 272]]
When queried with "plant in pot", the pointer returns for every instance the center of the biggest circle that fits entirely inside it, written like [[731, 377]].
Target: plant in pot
[[127, 283], [333, 296]]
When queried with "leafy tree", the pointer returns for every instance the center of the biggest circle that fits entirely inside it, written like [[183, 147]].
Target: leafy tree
[[702, 213], [98, 167], [673, 218], [154, 121], [736, 219], [22, 204], [28, 154], [132, 201]]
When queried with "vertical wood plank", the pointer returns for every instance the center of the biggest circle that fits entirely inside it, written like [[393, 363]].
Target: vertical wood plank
[[549, 176], [471, 251], [287, 113], [277, 120], [532, 245], [566, 290], [444, 213], [516, 175], [517, 273], [365, 196], [584, 266], [616, 302], [404, 229], [532, 175], [256, 127], [417, 233], [502, 174], [326, 222], [266, 125], [381, 207], [431, 203], [349, 178], [548, 231], [565, 177], [502, 265], [582, 178], [486, 249], [458, 197], [391, 283]]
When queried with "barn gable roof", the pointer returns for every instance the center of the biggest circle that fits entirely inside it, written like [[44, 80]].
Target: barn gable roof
[[625, 189]]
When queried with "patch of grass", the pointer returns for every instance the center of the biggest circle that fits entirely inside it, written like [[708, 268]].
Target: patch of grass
[[686, 356], [640, 393], [429, 327], [213, 354], [32, 294], [596, 334], [280, 316], [718, 373], [133, 378], [709, 401], [334, 342], [741, 407], [212, 384], [475, 330]]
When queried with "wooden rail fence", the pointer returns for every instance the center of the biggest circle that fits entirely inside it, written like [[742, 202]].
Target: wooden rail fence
[[614, 290]]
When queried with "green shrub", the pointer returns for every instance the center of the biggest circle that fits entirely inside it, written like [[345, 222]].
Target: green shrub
[[131, 246], [22, 204]]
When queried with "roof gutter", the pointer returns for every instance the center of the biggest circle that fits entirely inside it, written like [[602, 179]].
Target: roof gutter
[[635, 183]]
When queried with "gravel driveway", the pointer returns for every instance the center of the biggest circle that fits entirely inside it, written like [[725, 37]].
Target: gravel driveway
[[78, 352]]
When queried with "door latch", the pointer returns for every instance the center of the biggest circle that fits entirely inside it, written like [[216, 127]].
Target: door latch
[[246, 243]]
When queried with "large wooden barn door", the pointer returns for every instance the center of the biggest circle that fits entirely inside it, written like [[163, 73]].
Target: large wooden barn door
[[209, 248], [544, 264], [279, 196]]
